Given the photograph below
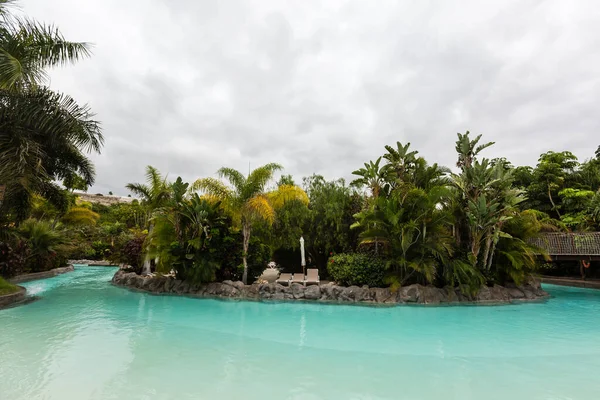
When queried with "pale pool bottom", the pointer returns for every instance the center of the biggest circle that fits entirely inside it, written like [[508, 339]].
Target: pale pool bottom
[[85, 339]]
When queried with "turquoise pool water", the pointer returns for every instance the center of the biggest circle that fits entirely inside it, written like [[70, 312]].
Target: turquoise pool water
[[85, 339]]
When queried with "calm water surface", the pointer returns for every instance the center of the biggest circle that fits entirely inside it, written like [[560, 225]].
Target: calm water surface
[[85, 339]]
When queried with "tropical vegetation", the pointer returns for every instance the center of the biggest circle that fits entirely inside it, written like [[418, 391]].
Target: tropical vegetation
[[402, 220]]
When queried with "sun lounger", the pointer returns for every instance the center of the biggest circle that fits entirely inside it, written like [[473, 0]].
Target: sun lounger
[[312, 276], [298, 278], [284, 279]]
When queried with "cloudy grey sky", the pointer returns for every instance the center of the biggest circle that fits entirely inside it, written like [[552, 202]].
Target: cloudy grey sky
[[321, 86]]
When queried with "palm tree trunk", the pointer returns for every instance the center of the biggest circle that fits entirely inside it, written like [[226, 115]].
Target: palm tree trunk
[[246, 230], [489, 264], [488, 246], [475, 248], [147, 268]]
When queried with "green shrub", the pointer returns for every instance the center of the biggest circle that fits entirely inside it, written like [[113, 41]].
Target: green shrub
[[129, 251], [13, 258], [7, 288], [47, 246], [356, 269]]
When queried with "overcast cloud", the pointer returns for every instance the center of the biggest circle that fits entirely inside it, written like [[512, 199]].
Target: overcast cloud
[[321, 86]]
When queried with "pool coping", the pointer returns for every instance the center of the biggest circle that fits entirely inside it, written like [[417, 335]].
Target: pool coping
[[9, 300], [41, 275], [571, 282]]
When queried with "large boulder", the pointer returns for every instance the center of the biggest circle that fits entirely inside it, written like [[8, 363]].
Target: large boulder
[[515, 293], [410, 294], [354, 294], [278, 296], [312, 292], [500, 294], [279, 288], [530, 292], [463, 293], [157, 284], [118, 277], [330, 292], [251, 291], [381, 295], [433, 295], [184, 288], [146, 282], [451, 296], [297, 290], [229, 291], [484, 294]]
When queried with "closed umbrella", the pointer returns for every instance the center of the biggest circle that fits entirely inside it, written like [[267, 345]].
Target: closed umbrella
[[302, 258]]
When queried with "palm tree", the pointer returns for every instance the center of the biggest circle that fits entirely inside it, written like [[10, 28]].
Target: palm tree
[[43, 135], [44, 243], [485, 204], [400, 160], [154, 194], [28, 48], [412, 230], [467, 149], [372, 176], [182, 230], [247, 201]]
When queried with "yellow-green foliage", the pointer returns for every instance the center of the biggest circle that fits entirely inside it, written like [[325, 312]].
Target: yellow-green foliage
[[80, 216], [7, 288]]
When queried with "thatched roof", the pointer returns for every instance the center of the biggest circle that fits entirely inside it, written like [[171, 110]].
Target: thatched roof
[[569, 244]]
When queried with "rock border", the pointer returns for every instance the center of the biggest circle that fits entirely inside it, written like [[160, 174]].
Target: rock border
[[571, 282], [331, 293], [93, 263], [41, 275], [12, 299]]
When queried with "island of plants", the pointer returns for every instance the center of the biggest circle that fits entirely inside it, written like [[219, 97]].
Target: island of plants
[[403, 231]]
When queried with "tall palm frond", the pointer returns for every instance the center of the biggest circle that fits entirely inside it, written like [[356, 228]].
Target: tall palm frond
[[259, 208], [259, 178], [28, 48], [156, 192], [373, 176], [246, 201], [237, 179]]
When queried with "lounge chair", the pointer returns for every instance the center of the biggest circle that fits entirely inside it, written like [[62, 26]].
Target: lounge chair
[[298, 278], [284, 279], [312, 276]]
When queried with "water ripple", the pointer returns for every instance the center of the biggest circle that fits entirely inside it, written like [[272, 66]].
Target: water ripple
[[85, 339]]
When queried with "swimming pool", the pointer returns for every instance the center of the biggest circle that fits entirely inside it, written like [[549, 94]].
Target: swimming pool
[[85, 339]]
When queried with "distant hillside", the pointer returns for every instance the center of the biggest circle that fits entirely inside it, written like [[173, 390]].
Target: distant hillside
[[105, 200]]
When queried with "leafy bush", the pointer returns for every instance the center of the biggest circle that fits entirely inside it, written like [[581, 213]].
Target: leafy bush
[[12, 258], [102, 249], [47, 246], [227, 251], [356, 269], [129, 252]]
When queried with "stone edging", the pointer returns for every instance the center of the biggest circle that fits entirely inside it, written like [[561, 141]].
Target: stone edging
[[413, 294], [41, 275], [557, 280], [13, 298], [92, 263]]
